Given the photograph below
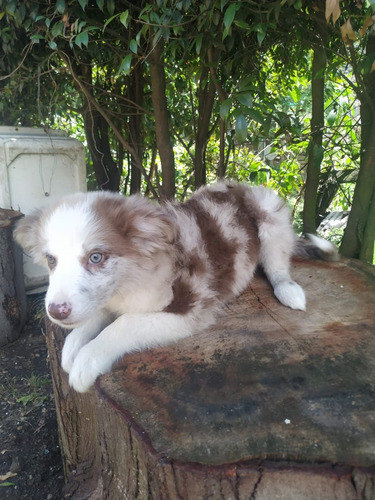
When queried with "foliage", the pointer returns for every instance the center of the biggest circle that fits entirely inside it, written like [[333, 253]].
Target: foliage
[[238, 88]]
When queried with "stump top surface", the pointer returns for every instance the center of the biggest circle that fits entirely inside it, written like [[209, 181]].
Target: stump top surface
[[265, 382]]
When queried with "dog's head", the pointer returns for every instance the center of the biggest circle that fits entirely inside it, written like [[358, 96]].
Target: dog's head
[[96, 245]]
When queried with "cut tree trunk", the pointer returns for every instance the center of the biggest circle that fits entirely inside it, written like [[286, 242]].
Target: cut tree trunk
[[270, 403], [13, 304]]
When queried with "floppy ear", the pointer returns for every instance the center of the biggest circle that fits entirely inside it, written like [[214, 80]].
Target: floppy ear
[[27, 234], [147, 225], [152, 231]]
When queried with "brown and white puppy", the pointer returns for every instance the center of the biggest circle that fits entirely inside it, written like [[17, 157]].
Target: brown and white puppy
[[128, 274]]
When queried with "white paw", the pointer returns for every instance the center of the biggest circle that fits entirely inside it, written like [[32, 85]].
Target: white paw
[[73, 344], [291, 295], [90, 362]]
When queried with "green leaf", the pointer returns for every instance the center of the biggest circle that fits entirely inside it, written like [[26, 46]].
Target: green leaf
[[244, 83], [57, 29], [109, 21], [225, 108], [60, 6], [295, 94], [260, 37], [83, 3], [241, 128], [242, 24], [261, 30], [133, 46], [100, 4], [331, 118], [53, 45], [245, 98], [10, 8], [111, 6], [125, 65], [124, 18], [318, 153], [198, 43], [82, 38], [255, 115], [229, 15], [36, 37]]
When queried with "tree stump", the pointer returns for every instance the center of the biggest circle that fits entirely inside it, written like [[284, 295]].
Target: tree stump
[[13, 305], [268, 404]]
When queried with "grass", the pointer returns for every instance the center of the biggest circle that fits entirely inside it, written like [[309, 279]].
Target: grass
[[28, 391]]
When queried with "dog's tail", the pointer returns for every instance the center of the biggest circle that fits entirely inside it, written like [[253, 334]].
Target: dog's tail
[[313, 247]]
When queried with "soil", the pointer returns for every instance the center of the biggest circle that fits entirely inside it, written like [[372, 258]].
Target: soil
[[30, 459]]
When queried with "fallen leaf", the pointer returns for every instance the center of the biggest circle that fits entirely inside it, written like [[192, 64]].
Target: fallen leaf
[[7, 476]]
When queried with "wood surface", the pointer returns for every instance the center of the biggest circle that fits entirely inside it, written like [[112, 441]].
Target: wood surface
[[268, 404], [13, 305]]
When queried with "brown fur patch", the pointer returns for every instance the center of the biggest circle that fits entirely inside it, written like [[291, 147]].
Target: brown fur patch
[[246, 213], [184, 298], [220, 251], [132, 226]]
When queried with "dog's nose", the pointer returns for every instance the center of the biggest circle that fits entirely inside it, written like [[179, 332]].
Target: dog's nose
[[59, 311]]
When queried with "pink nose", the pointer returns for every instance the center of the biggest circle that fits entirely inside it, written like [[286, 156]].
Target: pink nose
[[59, 311]]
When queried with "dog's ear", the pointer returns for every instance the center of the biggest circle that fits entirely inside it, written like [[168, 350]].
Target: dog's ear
[[150, 228], [27, 234]]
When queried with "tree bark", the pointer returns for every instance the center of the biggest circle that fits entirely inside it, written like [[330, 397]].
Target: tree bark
[[317, 125], [206, 97], [262, 405], [13, 306], [135, 126], [163, 136], [359, 235], [106, 170]]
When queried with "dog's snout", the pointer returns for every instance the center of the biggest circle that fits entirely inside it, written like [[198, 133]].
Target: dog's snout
[[59, 311]]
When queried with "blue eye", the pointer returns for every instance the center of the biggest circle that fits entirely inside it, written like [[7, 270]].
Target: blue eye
[[51, 261], [95, 258]]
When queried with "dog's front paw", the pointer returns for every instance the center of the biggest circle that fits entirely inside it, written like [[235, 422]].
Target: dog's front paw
[[88, 365], [73, 344]]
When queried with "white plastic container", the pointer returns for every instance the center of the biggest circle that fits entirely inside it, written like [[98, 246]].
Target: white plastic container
[[37, 166]]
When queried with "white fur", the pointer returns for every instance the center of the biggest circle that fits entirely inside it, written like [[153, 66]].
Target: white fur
[[121, 305]]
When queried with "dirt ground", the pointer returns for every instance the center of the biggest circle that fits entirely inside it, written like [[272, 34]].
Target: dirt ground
[[30, 460]]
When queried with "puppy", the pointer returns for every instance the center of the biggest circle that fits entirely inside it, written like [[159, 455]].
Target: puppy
[[127, 274]]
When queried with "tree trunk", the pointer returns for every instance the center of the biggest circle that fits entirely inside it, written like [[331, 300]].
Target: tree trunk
[[106, 170], [317, 125], [359, 235], [163, 137], [135, 126], [266, 404], [206, 97], [222, 168], [13, 304]]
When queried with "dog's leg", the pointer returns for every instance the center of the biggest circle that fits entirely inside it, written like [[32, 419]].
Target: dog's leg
[[128, 333], [277, 243], [80, 336]]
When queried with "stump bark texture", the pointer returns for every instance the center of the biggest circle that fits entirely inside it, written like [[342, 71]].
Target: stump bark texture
[[13, 305], [268, 404]]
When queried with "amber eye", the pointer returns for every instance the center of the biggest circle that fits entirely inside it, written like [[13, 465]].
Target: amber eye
[[95, 258], [51, 261]]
